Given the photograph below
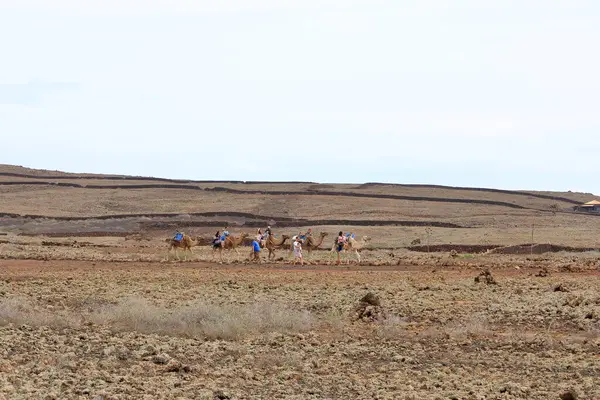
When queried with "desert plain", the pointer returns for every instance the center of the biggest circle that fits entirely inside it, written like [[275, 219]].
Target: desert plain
[[461, 293]]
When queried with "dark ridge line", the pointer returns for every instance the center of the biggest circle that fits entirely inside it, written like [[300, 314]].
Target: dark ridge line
[[153, 215], [464, 188], [368, 195], [460, 248], [299, 223], [367, 184], [466, 248], [125, 187], [81, 234], [283, 193], [257, 220], [147, 178]]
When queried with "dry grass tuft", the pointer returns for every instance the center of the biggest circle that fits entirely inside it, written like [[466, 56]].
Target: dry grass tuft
[[199, 319], [393, 328], [203, 319], [20, 311], [476, 327]]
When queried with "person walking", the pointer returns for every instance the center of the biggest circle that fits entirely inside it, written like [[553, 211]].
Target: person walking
[[256, 251], [298, 251], [339, 246], [217, 240]]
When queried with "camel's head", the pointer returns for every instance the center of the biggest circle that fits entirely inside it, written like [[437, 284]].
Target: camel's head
[[285, 237], [244, 235], [366, 238], [323, 234]]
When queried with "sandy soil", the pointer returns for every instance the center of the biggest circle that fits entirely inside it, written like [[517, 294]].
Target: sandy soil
[[92, 330]]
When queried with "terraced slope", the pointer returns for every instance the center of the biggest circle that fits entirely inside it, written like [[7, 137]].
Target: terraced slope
[[56, 201]]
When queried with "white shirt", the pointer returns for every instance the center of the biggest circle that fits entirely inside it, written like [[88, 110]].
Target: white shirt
[[297, 248]]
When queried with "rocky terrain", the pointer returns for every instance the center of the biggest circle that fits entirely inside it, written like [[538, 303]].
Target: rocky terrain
[[462, 293], [102, 330]]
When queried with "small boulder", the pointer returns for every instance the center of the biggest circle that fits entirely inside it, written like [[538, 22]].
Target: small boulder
[[369, 309], [174, 366], [371, 299], [486, 277], [560, 288], [568, 395], [161, 359], [221, 395]]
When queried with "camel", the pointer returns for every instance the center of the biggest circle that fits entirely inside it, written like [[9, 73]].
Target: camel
[[186, 244], [310, 243], [354, 245], [271, 244], [230, 243]]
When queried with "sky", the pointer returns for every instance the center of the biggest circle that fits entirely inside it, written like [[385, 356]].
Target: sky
[[495, 93]]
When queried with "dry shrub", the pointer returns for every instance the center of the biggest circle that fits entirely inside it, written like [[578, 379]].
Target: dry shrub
[[475, 327], [203, 319], [137, 314], [334, 320], [393, 328], [20, 311]]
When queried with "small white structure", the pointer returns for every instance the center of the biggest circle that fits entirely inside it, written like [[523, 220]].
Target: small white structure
[[590, 206]]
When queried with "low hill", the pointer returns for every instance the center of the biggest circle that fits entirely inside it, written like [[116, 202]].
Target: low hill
[[50, 202]]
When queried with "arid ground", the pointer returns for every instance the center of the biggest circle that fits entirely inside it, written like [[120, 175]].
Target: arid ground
[[461, 293]]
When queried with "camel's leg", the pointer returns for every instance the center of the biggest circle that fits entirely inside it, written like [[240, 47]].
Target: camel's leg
[[357, 256], [224, 258], [308, 253]]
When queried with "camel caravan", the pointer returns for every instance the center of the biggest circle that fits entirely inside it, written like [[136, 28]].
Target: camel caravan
[[295, 245]]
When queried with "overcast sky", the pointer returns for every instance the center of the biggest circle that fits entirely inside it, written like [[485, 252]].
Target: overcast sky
[[461, 92]]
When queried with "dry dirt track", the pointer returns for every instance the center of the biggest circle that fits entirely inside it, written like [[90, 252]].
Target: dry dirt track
[[85, 330]]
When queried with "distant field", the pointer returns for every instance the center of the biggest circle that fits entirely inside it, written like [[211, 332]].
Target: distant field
[[459, 293], [157, 206]]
